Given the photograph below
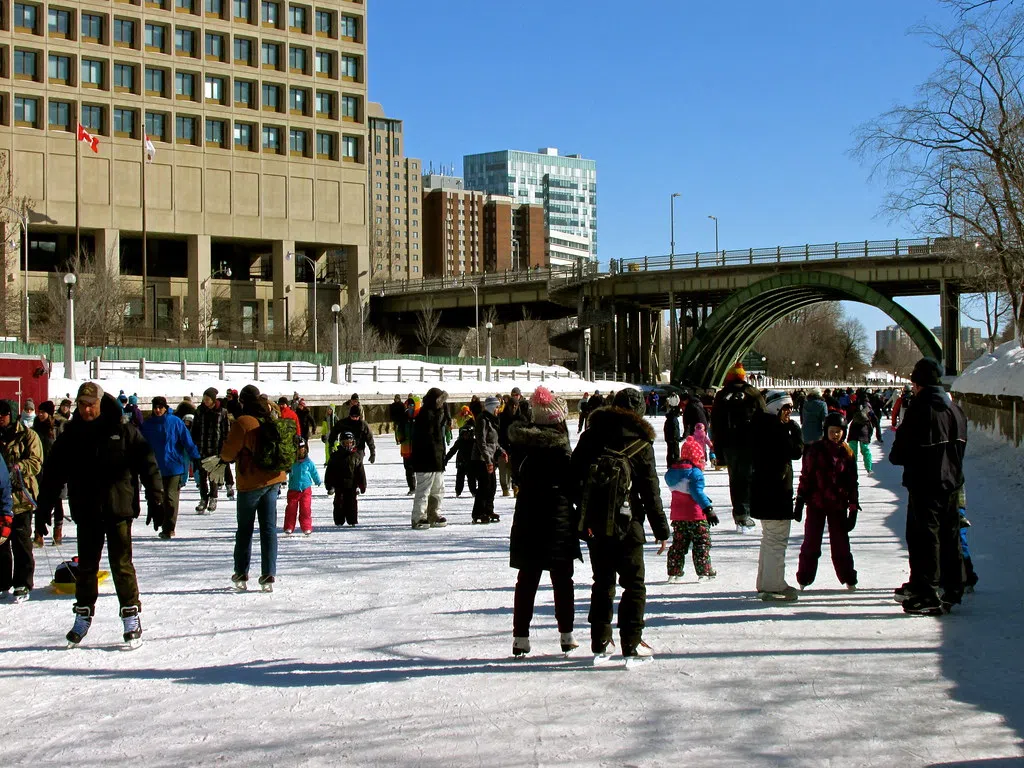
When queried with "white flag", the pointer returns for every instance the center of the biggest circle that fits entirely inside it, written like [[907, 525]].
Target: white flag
[[150, 149]]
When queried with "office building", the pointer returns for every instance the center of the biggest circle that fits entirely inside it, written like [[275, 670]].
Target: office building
[[565, 186], [256, 111], [889, 337]]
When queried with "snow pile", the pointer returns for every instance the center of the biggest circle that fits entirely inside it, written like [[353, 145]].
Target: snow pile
[[995, 373]]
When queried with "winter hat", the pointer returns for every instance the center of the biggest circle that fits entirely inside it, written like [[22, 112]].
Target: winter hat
[[160, 402], [517, 391], [30, 404], [464, 411], [348, 436], [547, 407], [775, 399], [187, 399], [491, 404], [90, 392], [672, 400], [66, 402], [250, 394], [122, 399], [210, 392], [692, 452], [133, 399], [188, 418], [282, 400], [5, 408], [835, 419], [737, 372], [927, 372], [47, 407], [699, 428], [302, 403], [630, 399], [814, 392]]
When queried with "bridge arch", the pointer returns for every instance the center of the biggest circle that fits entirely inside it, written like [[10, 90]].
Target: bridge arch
[[737, 322]]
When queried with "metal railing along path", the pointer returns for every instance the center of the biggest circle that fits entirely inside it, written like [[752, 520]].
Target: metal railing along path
[[550, 275]]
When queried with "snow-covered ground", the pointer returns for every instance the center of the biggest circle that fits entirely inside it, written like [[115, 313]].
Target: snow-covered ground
[[387, 646]]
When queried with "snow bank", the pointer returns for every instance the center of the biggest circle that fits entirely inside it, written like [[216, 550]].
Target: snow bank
[[996, 373]]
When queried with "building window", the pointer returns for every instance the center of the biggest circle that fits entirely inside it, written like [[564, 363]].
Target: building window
[[377, 146], [185, 85], [350, 68], [60, 115], [124, 122], [350, 148], [297, 59], [271, 55], [58, 22], [92, 73], [26, 17], [214, 8], [325, 145], [185, 5], [325, 63], [243, 51], [324, 24], [350, 109], [124, 33], [243, 10], [397, 150], [124, 77], [298, 100], [155, 37], [214, 89], [325, 103], [92, 118], [215, 133], [155, 82], [349, 27], [243, 136], [243, 93], [92, 28], [185, 130], [272, 97], [215, 46], [185, 42], [271, 138], [270, 13], [156, 126], [26, 111], [297, 18], [25, 64], [297, 142]]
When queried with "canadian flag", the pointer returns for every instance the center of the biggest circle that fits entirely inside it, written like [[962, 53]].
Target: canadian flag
[[150, 149], [88, 138]]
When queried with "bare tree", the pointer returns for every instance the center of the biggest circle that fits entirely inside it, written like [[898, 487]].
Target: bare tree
[[454, 339], [101, 305], [955, 158], [428, 322], [990, 308]]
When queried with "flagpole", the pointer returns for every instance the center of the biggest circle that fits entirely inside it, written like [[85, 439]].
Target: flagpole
[[145, 261], [78, 183]]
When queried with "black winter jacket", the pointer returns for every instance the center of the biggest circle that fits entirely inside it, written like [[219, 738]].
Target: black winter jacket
[[360, 431], [462, 448], [617, 428], [428, 433], [693, 414], [735, 406], [510, 415], [673, 432], [771, 479], [930, 443], [210, 429], [544, 528], [102, 463]]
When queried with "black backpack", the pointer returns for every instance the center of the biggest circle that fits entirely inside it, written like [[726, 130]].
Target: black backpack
[[605, 512], [275, 449]]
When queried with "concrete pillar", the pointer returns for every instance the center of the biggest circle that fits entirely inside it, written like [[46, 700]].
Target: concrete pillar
[[621, 341], [108, 251], [673, 332], [580, 311], [283, 268], [949, 313], [358, 273], [658, 331], [198, 271], [644, 351]]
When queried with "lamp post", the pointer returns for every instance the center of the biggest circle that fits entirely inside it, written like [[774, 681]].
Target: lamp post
[[312, 267], [489, 326], [335, 309], [476, 312], [69, 328], [23, 220], [672, 223], [203, 286], [515, 259], [586, 354], [715, 218]]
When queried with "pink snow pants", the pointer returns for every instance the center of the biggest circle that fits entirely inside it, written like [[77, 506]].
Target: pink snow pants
[[300, 502]]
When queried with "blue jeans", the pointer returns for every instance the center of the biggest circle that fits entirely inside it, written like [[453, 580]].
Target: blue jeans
[[262, 504]]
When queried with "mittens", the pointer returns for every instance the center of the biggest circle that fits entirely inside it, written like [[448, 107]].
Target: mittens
[[709, 513], [851, 517], [155, 515], [5, 528], [798, 509]]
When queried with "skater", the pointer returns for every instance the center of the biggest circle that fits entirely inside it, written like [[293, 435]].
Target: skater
[[307, 425], [462, 450], [812, 416], [45, 427], [172, 445], [583, 409], [707, 446], [614, 435], [545, 524], [360, 431], [828, 488], [133, 412], [516, 410], [779, 444], [301, 479], [403, 433], [346, 477], [735, 406], [693, 413], [102, 462], [929, 445], [484, 457], [692, 514], [209, 431], [6, 507], [287, 412], [258, 489], [21, 448], [673, 429], [862, 422], [396, 415], [970, 576], [428, 460]]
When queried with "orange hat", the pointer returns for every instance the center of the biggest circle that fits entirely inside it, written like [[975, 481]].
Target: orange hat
[[736, 372]]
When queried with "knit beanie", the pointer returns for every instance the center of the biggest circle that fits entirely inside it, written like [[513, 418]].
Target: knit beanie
[[927, 372], [250, 394], [775, 399], [491, 404], [47, 407], [547, 407], [672, 400], [630, 399], [133, 399], [737, 372], [693, 452], [210, 392]]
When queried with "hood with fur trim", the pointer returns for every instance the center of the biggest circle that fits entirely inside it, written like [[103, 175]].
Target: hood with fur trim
[[613, 418], [537, 436]]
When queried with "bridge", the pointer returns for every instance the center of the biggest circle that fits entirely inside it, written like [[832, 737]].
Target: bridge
[[718, 303]]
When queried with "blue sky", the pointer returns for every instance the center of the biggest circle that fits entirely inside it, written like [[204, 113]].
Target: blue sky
[[748, 109]]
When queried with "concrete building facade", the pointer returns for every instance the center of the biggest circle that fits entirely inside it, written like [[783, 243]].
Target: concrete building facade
[[256, 110]]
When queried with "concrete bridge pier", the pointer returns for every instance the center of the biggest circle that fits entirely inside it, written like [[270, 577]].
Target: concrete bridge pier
[[646, 351], [949, 313]]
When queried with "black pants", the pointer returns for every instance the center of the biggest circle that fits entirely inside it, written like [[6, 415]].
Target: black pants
[[672, 456], [486, 487], [172, 494], [463, 473], [207, 490], [526, 595], [346, 506], [610, 558], [17, 560], [118, 536], [739, 467], [933, 543], [410, 476]]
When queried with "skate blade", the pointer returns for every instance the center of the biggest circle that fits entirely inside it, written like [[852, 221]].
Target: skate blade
[[605, 660], [133, 645], [634, 662], [72, 645], [267, 588]]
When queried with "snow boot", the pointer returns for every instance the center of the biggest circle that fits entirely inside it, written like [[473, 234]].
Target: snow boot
[[37, 542], [520, 646], [83, 620], [132, 625], [568, 641]]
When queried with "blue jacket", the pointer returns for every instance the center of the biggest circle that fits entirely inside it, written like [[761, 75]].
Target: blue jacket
[[6, 502], [302, 475], [688, 480], [812, 419], [171, 442]]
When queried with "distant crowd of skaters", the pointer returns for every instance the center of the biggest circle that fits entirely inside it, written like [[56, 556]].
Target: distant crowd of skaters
[[106, 450]]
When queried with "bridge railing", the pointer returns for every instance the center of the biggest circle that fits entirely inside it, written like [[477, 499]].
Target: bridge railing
[[783, 254], [554, 276]]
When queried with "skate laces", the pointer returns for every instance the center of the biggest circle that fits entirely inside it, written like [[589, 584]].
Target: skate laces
[[131, 622], [82, 624]]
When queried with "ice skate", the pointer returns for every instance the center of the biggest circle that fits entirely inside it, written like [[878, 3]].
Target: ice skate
[[267, 583], [926, 606], [58, 535], [439, 522], [83, 620], [568, 641], [212, 506], [37, 542], [709, 576], [642, 654], [745, 524], [231, 493], [851, 587], [132, 626], [674, 579], [520, 646], [20, 594], [201, 508], [238, 581], [603, 652], [420, 525], [787, 595]]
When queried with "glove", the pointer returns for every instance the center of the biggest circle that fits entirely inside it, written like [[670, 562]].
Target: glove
[[851, 517], [798, 509], [373, 457], [5, 528], [155, 515], [709, 513]]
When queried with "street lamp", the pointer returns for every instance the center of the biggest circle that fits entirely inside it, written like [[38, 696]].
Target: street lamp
[[715, 218], [312, 267], [225, 272], [23, 219], [489, 326], [69, 328], [586, 354], [515, 259], [335, 309], [672, 219]]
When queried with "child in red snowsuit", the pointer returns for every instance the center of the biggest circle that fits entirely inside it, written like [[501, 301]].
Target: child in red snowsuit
[[347, 478], [301, 479], [828, 487]]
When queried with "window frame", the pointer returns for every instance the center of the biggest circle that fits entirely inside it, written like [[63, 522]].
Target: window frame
[[100, 66], [119, 113], [119, 25], [87, 19], [271, 130], [212, 81], [181, 34], [332, 139], [180, 96], [265, 47], [270, 104], [22, 55], [50, 123], [18, 12], [212, 122], [250, 43], [24, 102], [162, 93], [152, 133], [116, 67], [250, 85], [85, 115], [181, 121], [68, 33], [236, 128]]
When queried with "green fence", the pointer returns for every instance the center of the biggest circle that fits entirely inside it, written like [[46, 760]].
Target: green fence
[[55, 353]]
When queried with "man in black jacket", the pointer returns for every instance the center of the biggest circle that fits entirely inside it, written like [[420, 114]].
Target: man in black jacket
[[734, 408], [929, 445], [360, 431], [396, 415], [617, 428], [209, 431], [102, 462], [428, 459]]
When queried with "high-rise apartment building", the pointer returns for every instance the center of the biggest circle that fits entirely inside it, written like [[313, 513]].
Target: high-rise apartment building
[[256, 110], [395, 199], [890, 336], [565, 186]]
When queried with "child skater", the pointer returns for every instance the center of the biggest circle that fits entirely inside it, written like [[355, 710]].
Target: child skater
[[345, 474], [971, 578], [828, 486], [692, 513], [301, 479], [700, 434]]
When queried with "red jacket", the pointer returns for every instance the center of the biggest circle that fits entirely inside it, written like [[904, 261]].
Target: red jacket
[[828, 480]]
